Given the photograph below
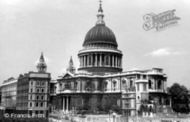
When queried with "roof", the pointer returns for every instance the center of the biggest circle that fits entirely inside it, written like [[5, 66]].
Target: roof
[[100, 34]]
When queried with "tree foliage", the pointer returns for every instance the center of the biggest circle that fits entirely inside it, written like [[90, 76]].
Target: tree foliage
[[179, 97]]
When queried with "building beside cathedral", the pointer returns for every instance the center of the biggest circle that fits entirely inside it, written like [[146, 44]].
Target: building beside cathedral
[[101, 82], [9, 93], [33, 91]]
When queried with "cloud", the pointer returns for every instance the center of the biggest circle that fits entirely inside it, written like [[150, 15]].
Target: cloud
[[164, 52]]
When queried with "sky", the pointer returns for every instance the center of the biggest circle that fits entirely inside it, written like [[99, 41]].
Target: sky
[[58, 28]]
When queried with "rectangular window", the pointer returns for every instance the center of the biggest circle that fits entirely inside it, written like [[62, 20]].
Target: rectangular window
[[31, 90], [36, 104], [38, 90], [144, 87], [42, 90], [144, 76], [41, 104], [30, 104], [138, 76], [137, 87], [31, 83]]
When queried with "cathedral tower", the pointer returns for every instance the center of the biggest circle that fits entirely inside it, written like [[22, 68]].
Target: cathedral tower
[[41, 66], [71, 67]]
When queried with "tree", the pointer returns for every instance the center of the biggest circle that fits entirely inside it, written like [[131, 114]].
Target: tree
[[179, 97]]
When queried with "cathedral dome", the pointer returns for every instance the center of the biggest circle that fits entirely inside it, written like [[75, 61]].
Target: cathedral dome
[[100, 34], [100, 54]]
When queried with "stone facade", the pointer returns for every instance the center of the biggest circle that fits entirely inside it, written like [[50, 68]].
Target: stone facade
[[128, 90]]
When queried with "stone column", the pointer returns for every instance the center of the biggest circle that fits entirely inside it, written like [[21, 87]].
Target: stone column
[[87, 59], [81, 62], [96, 60], [84, 61], [67, 109], [121, 62], [116, 61], [100, 59], [109, 61], [63, 103], [91, 59], [113, 62]]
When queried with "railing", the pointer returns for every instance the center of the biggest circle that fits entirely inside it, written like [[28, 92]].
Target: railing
[[157, 90], [106, 48], [103, 65]]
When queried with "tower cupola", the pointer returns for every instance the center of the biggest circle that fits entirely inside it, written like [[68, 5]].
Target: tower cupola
[[71, 67], [41, 66]]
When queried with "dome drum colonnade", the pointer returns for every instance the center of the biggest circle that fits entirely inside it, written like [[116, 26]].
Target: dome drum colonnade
[[104, 59]]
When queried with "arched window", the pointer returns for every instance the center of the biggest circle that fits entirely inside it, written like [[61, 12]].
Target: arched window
[[124, 84], [124, 81], [114, 85]]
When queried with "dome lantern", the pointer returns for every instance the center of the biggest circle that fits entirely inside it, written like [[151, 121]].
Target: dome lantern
[[100, 15]]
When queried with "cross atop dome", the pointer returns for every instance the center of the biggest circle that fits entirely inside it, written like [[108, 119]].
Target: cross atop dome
[[100, 8]]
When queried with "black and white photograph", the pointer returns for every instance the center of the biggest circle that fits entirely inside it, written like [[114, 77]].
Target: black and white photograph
[[94, 61]]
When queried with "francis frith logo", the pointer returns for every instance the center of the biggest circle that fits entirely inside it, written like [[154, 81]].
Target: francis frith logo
[[160, 21]]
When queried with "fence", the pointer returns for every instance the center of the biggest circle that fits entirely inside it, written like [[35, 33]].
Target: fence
[[106, 118]]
